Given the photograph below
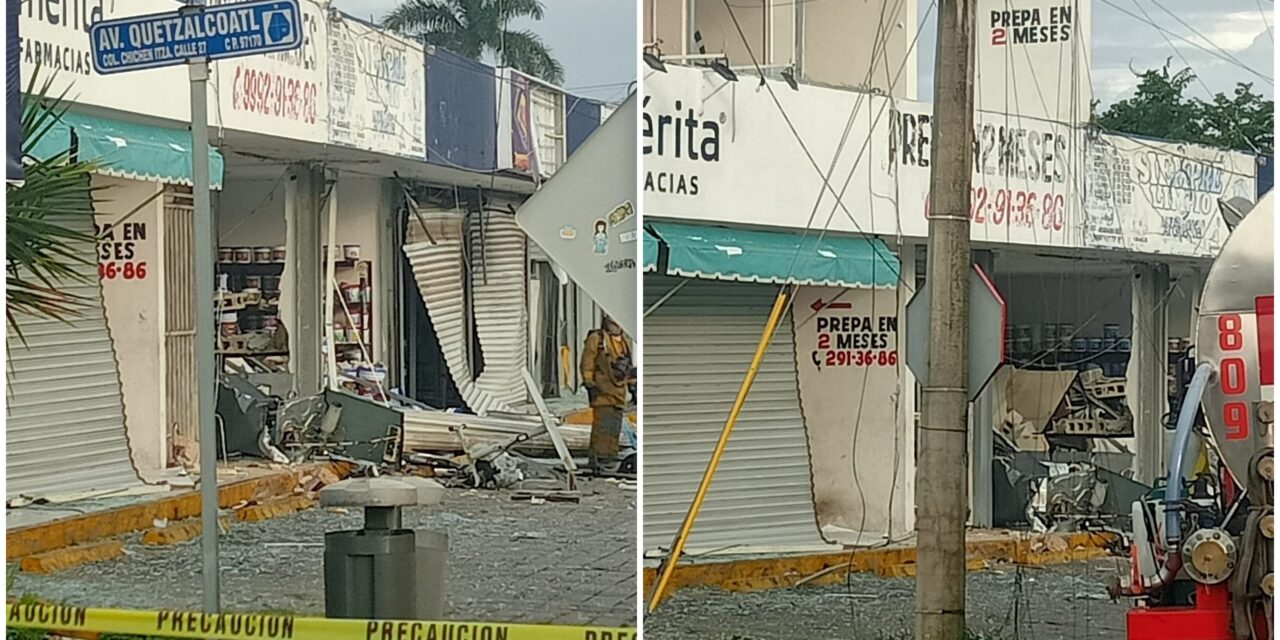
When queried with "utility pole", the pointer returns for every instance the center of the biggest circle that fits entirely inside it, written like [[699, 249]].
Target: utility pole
[[942, 469]]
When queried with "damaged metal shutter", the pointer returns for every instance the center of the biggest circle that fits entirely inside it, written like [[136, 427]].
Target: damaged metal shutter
[[65, 431], [697, 346], [497, 278], [498, 289]]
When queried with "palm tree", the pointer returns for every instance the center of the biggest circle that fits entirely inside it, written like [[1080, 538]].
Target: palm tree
[[475, 27], [41, 251]]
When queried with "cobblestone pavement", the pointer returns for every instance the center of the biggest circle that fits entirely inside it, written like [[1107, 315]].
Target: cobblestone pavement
[[508, 561], [1049, 603]]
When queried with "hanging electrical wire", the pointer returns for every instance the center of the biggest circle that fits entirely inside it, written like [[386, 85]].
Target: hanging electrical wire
[[778, 310], [1197, 77], [1194, 31], [839, 205], [1262, 13], [1197, 45]]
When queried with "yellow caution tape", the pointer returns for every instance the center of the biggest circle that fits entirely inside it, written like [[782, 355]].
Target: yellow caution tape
[[255, 626]]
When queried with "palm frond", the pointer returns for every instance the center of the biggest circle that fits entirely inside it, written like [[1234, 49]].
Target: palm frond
[[475, 27], [513, 9], [44, 254], [526, 51], [425, 17]]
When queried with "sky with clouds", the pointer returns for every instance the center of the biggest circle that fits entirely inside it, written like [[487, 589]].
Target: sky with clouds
[[595, 40], [1242, 29]]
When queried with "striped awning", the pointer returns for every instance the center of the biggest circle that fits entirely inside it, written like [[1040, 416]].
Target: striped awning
[[748, 255], [129, 150], [650, 255]]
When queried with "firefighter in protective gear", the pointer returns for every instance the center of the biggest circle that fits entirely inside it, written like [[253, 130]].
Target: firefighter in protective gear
[[608, 375]]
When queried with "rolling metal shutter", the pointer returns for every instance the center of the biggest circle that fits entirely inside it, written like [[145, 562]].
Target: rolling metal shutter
[[697, 347], [65, 431], [497, 280], [498, 287]]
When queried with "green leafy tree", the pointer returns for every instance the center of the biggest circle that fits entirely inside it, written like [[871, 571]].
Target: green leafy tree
[[42, 252], [1243, 121], [475, 27], [1159, 108]]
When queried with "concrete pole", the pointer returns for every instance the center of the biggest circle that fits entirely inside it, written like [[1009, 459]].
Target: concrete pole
[[942, 471], [386, 307], [303, 192], [1149, 369]]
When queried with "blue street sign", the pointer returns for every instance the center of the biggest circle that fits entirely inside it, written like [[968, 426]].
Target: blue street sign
[[213, 33]]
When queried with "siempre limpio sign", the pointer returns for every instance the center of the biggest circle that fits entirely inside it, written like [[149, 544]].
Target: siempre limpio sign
[[1031, 26], [678, 135]]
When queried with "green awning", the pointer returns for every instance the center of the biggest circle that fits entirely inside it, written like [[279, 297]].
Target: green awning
[[650, 255], [722, 253], [134, 151]]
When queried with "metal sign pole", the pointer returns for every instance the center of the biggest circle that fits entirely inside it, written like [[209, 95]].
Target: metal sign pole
[[206, 336], [257, 26]]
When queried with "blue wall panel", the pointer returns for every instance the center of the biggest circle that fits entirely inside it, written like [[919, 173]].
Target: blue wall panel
[[1266, 174], [462, 118], [583, 117]]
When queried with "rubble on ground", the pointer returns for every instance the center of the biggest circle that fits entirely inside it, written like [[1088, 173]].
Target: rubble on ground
[[1057, 466], [381, 431]]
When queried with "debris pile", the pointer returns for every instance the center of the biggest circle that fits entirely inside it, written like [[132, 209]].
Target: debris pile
[[381, 431], [1057, 464]]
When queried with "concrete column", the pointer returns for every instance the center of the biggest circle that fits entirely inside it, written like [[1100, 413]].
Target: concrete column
[[304, 192], [1148, 369], [981, 437], [386, 280], [1194, 286], [903, 514]]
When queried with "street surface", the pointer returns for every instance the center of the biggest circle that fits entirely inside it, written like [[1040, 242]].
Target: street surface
[[1067, 602], [508, 562]]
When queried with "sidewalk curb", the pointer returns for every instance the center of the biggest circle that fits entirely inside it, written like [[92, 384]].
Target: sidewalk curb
[[70, 557], [275, 508], [177, 533], [829, 568], [26, 541]]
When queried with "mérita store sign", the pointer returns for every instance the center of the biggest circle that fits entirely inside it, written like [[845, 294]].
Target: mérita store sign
[[720, 151], [678, 134], [55, 37]]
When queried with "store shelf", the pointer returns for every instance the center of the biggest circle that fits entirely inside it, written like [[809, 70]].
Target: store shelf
[[253, 354], [269, 267]]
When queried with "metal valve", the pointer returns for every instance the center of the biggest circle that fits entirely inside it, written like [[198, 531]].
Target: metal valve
[[1211, 556]]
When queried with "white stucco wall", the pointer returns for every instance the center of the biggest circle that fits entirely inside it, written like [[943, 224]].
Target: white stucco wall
[[132, 291], [850, 406]]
